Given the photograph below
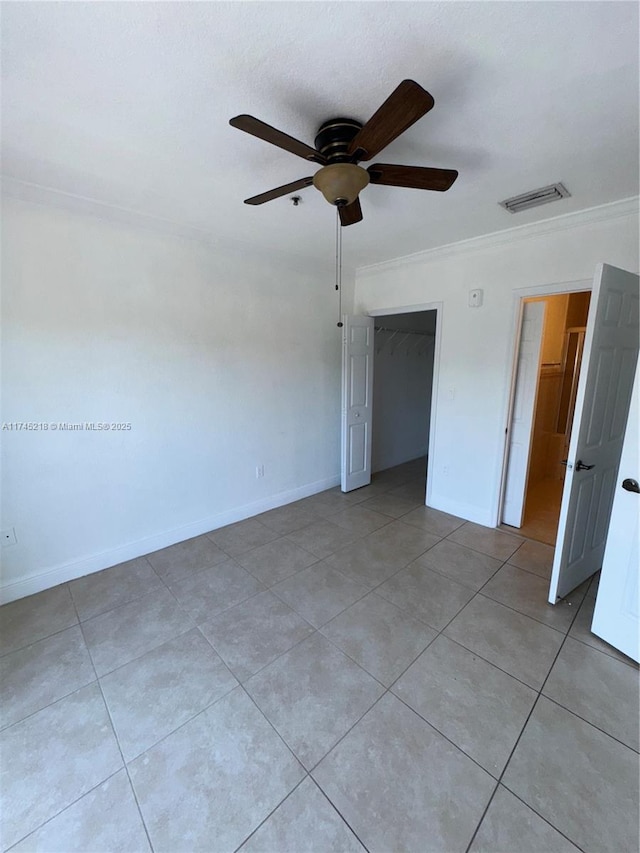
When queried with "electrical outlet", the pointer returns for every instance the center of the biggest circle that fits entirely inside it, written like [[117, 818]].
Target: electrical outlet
[[259, 472], [445, 470], [8, 537]]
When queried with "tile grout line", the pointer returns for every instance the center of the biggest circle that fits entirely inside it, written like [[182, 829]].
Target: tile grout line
[[47, 636], [626, 661], [307, 772], [479, 592], [533, 618], [515, 746], [333, 617], [588, 722], [122, 603], [194, 626], [443, 735], [192, 717], [273, 811], [153, 648], [162, 580], [410, 561], [386, 689], [389, 690], [132, 601], [57, 814], [49, 704], [117, 739], [439, 634], [184, 723], [282, 654], [501, 560], [480, 657], [354, 541], [575, 844], [97, 680], [337, 810], [400, 609], [338, 741], [126, 767], [286, 577]]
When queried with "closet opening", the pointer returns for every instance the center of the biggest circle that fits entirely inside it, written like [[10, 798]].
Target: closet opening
[[404, 351]]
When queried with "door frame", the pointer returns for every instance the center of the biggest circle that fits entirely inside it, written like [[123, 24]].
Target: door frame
[[520, 294], [509, 438], [412, 309]]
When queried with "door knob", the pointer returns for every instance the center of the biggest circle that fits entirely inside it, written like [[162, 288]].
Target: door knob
[[630, 485], [580, 466]]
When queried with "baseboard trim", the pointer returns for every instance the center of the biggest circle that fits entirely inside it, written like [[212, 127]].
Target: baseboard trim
[[467, 511], [106, 559]]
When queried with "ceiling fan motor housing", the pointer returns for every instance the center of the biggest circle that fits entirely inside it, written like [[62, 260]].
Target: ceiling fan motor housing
[[333, 138]]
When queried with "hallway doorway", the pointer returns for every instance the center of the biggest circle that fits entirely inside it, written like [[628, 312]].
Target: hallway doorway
[[554, 385]]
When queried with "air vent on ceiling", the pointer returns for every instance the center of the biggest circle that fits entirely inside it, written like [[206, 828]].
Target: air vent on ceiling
[[532, 199]]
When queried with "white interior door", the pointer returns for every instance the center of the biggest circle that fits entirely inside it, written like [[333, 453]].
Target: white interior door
[[357, 394], [602, 406], [616, 617], [524, 403]]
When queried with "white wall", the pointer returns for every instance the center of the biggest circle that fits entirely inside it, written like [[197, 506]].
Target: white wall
[[402, 374], [477, 344], [219, 364]]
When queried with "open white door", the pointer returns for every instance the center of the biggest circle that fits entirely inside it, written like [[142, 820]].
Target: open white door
[[357, 393], [524, 403], [602, 406], [616, 617]]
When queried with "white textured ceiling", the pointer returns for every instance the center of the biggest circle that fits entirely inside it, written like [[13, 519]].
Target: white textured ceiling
[[128, 104]]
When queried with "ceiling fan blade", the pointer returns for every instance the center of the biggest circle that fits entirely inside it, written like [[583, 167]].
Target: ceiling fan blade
[[404, 106], [278, 191], [416, 177], [276, 137], [350, 213]]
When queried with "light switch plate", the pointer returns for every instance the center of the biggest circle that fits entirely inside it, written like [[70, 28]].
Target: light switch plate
[[475, 298], [8, 537]]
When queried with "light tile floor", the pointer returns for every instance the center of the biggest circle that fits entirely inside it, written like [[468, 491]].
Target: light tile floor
[[348, 672]]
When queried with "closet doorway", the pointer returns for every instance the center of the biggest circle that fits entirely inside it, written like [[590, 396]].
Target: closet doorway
[[545, 395], [404, 356]]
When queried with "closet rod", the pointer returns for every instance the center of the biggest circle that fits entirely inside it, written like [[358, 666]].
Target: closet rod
[[405, 331]]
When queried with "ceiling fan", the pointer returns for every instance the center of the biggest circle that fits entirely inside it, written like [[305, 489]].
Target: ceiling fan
[[341, 143]]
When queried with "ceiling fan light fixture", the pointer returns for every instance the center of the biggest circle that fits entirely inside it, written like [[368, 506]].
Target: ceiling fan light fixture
[[340, 183]]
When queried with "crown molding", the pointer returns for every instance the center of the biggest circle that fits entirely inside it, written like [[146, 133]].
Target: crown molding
[[50, 197], [601, 213], [25, 191]]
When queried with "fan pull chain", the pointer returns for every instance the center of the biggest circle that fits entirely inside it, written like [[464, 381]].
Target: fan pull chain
[[339, 266]]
